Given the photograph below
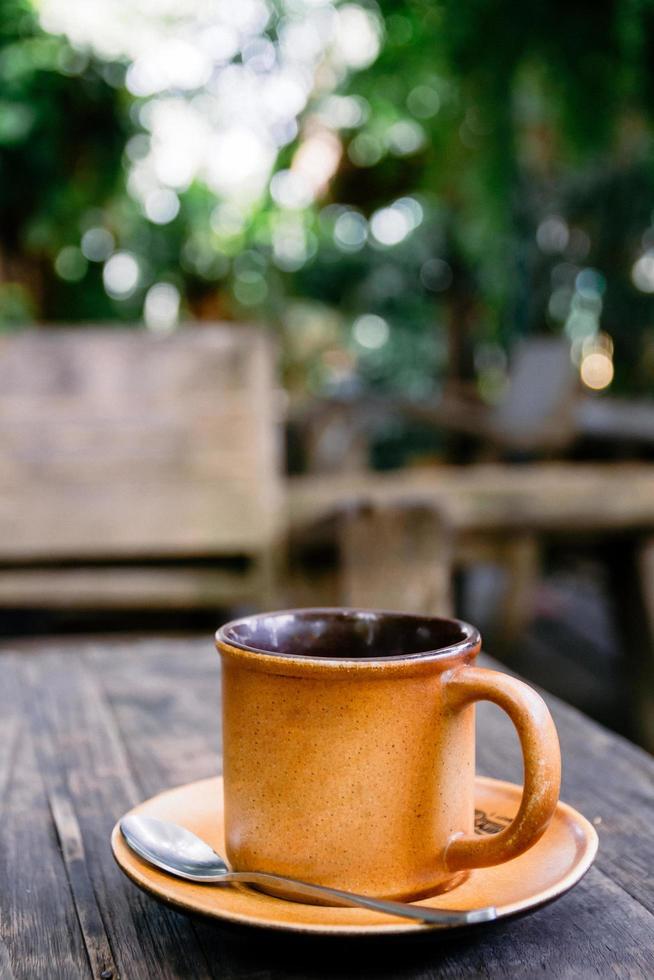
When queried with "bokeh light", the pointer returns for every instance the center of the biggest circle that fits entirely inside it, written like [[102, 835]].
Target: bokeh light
[[316, 160], [227, 220], [358, 36], [389, 226], [97, 244], [405, 137], [552, 235], [436, 275], [161, 307], [120, 275], [219, 97], [642, 273], [290, 190], [250, 287], [371, 331], [70, 264], [412, 209], [584, 305], [365, 150], [596, 370], [343, 111], [590, 284], [558, 306], [292, 244], [161, 206], [423, 101], [350, 231]]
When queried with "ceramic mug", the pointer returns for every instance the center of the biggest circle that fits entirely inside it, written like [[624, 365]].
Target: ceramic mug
[[349, 750]]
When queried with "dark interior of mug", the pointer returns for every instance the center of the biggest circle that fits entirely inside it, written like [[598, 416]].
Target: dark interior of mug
[[347, 634]]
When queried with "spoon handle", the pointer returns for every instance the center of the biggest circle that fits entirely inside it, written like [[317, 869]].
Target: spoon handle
[[439, 917]]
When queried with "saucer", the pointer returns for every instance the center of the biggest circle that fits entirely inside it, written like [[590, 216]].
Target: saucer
[[552, 866]]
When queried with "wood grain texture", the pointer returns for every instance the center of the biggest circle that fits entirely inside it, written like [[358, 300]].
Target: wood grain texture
[[39, 928], [493, 498], [396, 557], [129, 587], [81, 743], [108, 722], [69, 835], [148, 445]]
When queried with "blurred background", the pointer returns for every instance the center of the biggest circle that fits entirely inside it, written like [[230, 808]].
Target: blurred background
[[306, 301]]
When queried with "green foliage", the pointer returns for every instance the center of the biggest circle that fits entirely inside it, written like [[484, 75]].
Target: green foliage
[[496, 118], [62, 133], [541, 108]]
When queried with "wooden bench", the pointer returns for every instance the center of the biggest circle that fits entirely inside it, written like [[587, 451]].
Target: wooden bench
[[138, 469]]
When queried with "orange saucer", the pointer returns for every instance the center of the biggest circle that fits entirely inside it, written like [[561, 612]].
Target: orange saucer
[[550, 868]]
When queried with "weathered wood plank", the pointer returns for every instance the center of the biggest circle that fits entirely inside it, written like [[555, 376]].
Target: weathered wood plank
[[96, 941], [495, 498], [127, 587], [6, 972], [396, 557], [10, 731], [39, 929], [165, 697], [594, 931], [130, 519], [166, 701], [146, 445], [81, 749], [107, 361]]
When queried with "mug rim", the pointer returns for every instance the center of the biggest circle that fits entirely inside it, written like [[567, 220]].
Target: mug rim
[[469, 644]]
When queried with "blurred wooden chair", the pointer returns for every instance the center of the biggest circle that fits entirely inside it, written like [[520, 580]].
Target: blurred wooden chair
[[138, 470], [536, 415]]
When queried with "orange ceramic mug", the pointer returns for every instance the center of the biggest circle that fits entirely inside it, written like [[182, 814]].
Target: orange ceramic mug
[[349, 741]]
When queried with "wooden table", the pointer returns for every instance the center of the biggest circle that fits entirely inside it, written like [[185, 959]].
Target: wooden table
[[546, 497], [88, 727]]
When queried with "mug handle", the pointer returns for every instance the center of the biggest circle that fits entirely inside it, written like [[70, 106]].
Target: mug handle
[[542, 766]]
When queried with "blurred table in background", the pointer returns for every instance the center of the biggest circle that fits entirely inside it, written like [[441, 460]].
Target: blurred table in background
[[510, 512], [548, 497]]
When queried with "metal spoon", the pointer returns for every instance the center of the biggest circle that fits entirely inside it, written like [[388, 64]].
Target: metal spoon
[[179, 852]]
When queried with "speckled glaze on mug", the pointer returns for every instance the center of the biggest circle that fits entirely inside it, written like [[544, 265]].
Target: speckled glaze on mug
[[348, 752]]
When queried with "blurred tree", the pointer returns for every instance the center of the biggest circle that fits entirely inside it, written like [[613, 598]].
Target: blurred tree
[[62, 134], [457, 177], [530, 124]]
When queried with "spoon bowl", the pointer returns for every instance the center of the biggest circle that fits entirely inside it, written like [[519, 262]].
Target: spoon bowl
[[173, 848]]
